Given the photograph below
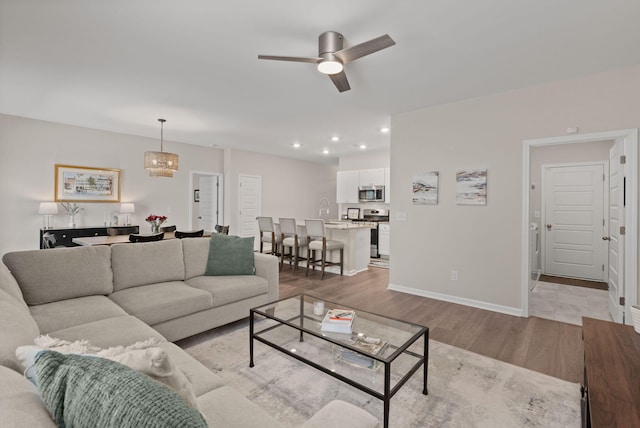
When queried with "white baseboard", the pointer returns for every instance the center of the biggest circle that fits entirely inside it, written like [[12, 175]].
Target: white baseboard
[[460, 300]]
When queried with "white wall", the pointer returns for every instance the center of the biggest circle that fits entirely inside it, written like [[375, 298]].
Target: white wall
[[290, 188], [483, 243], [29, 149], [365, 160]]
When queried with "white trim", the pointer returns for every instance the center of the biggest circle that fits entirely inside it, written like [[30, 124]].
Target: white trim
[[631, 210], [459, 300]]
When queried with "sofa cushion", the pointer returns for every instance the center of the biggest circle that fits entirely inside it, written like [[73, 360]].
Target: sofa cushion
[[202, 379], [196, 254], [67, 313], [227, 289], [20, 403], [230, 255], [9, 285], [146, 357], [119, 331], [49, 276], [155, 303], [225, 407], [146, 263], [89, 391], [18, 328]]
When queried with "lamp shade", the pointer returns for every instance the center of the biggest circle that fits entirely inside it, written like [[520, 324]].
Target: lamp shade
[[160, 164], [48, 208], [127, 208]]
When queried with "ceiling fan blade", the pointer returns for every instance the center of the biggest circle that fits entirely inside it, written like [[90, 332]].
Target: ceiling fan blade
[[358, 51], [340, 80], [290, 58]]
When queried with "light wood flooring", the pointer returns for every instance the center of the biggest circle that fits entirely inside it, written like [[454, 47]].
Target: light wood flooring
[[546, 346]]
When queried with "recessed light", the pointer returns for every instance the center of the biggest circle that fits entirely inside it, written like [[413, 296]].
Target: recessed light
[[296, 145], [384, 130], [325, 151], [363, 146], [335, 138]]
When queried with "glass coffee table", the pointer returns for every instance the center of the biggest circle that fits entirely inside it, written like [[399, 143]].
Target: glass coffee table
[[377, 357]]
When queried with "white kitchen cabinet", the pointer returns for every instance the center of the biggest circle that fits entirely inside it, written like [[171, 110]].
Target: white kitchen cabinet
[[372, 177], [384, 245], [347, 187], [387, 185]]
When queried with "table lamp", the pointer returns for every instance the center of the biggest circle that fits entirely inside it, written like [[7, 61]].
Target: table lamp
[[48, 209], [127, 209]]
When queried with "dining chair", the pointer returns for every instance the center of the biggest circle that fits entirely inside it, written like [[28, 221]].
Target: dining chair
[[292, 240], [115, 231], [49, 241], [269, 234], [222, 229], [319, 242], [191, 234], [134, 237], [168, 229]]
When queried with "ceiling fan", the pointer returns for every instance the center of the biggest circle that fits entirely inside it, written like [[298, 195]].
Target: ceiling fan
[[332, 57]]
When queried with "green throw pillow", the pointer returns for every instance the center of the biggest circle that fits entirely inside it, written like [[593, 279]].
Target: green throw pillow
[[230, 255], [84, 391]]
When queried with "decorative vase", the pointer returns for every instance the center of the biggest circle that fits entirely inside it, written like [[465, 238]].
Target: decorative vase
[[155, 228], [72, 220]]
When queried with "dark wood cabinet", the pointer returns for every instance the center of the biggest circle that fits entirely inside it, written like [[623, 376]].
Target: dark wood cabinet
[[52, 238], [611, 390]]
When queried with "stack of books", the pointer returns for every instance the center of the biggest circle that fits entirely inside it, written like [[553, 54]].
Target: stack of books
[[338, 320]]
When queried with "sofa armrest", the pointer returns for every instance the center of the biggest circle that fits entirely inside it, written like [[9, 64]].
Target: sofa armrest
[[340, 413], [267, 267]]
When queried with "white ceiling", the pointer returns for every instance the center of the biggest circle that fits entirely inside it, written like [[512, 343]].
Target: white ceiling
[[118, 65]]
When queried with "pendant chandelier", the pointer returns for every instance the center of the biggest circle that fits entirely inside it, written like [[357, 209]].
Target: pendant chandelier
[[161, 164]]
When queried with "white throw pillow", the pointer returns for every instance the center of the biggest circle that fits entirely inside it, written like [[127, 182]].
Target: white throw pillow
[[144, 357]]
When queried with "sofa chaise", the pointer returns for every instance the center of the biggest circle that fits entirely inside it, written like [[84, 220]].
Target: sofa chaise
[[129, 293]]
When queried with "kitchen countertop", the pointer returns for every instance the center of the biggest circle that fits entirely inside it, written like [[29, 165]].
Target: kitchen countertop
[[347, 225]]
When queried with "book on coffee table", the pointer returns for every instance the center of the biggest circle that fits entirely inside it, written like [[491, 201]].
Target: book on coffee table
[[370, 345], [338, 321]]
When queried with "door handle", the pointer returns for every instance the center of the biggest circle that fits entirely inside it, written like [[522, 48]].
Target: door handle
[[606, 238], [549, 226]]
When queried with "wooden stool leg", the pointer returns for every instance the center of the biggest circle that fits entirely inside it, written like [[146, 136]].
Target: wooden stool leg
[[324, 259], [341, 264], [308, 260]]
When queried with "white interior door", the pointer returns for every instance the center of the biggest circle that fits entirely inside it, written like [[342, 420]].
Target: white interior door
[[575, 221], [208, 210], [249, 205], [616, 220]]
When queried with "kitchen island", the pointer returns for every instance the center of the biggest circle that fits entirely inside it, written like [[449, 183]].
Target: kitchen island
[[357, 246]]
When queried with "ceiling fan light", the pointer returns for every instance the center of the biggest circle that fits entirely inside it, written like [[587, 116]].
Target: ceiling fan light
[[330, 67]]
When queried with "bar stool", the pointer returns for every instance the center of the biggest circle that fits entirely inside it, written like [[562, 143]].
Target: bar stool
[[319, 242], [292, 240], [268, 234]]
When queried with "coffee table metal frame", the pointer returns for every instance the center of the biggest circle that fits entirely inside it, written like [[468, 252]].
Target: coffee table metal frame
[[389, 392]]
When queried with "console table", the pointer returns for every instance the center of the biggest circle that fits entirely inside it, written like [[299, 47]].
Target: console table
[[611, 396], [64, 237]]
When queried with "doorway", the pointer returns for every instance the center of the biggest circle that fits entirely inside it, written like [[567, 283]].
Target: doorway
[[627, 292], [249, 206], [206, 195]]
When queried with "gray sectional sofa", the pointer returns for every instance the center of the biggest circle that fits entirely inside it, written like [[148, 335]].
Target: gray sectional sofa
[[127, 293]]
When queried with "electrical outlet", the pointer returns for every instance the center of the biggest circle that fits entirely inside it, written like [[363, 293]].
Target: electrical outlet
[[454, 275]]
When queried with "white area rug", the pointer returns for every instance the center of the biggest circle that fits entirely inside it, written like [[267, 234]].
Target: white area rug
[[465, 389]]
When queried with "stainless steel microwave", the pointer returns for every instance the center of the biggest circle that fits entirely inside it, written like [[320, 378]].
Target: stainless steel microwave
[[371, 194]]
